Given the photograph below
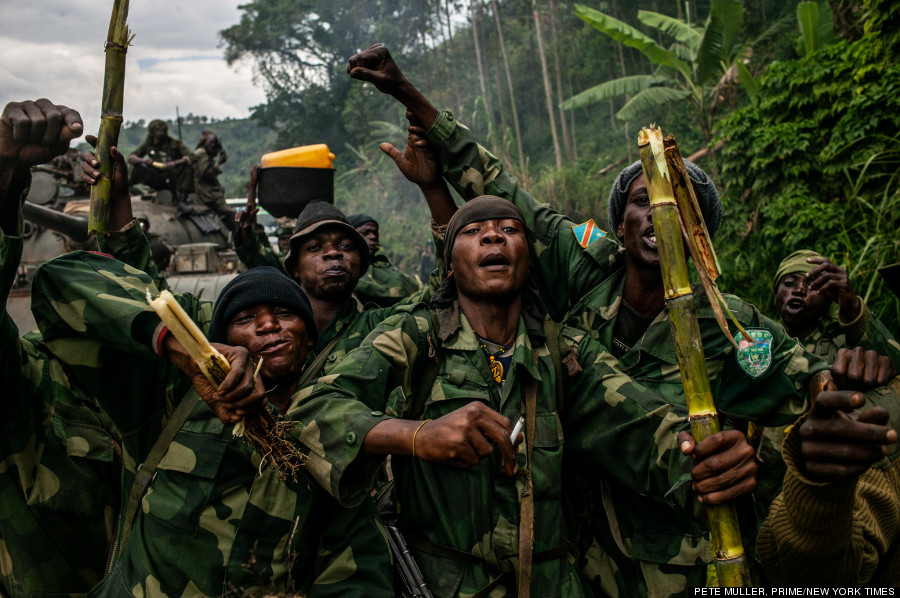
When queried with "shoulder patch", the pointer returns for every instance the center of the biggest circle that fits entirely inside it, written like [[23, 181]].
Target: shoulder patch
[[756, 357], [587, 232]]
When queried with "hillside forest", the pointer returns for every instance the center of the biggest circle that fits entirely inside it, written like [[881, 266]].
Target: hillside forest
[[792, 107]]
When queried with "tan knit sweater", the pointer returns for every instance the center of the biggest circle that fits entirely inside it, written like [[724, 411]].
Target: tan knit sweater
[[834, 534]]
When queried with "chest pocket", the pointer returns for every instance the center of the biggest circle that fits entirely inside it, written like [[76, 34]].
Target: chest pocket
[[458, 384], [185, 477], [77, 472], [547, 456]]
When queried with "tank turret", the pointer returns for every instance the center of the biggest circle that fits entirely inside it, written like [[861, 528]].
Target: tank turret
[[56, 212]]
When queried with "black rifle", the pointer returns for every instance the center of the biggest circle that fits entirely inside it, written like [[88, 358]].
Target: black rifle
[[414, 585]]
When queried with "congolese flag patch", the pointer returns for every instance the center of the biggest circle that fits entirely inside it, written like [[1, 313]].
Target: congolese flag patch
[[587, 232]]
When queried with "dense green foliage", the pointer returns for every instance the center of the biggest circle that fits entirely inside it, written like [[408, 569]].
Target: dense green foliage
[[816, 164], [812, 162]]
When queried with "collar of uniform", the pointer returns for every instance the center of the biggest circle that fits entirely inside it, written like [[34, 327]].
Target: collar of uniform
[[449, 320], [459, 335], [339, 323]]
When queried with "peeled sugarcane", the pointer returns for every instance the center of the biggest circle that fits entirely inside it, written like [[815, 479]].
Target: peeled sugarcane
[[731, 564], [259, 429], [117, 41]]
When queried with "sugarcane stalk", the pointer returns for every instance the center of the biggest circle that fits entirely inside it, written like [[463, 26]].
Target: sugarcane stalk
[[260, 429], [117, 41], [698, 239], [731, 563]]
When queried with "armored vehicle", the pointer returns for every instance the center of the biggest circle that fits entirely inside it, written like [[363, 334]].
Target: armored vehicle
[[56, 211]]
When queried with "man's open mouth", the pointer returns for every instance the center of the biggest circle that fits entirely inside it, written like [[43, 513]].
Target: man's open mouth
[[796, 303], [648, 236], [495, 261]]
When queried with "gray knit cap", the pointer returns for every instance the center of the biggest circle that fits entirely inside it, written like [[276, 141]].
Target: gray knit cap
[[707, 196]]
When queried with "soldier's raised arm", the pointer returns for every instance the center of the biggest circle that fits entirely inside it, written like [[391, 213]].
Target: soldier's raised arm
[[31, 133], [126, 241], [569, 261]]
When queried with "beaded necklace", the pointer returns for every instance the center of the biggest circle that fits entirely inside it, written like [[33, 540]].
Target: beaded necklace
[[494, 363]]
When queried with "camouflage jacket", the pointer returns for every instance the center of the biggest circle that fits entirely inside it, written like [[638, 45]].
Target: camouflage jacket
[[213, 520], [383, 284], [60, 459], [475, 512], [647, 548], [206, 177]]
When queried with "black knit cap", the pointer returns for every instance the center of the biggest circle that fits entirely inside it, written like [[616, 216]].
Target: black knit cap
[[707, 196], [357, 220], [314, 216], [484, 207], [260, 286]]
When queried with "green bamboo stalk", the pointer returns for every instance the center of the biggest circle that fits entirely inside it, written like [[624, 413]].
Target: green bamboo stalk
[[117, 40], [731, 564], [698, 239]]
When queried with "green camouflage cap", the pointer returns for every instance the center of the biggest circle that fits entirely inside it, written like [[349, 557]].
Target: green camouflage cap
[[795, 264]]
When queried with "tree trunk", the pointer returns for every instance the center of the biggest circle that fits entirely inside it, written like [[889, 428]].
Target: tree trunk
[[567, 140], [487, 99], [498, 88], [509, 83], [548, 93], [451, 55]]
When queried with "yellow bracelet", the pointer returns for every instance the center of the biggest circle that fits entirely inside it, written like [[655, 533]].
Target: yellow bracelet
[[414, 437]]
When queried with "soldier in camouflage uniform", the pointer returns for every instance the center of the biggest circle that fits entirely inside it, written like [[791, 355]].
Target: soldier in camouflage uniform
[[384, 285], [162, 162], [60, 455], [216, 518], [648, 547], [206, 166], [817, 305], [482, 344]]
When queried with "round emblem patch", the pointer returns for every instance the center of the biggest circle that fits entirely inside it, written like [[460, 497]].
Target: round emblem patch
[[756, 357]]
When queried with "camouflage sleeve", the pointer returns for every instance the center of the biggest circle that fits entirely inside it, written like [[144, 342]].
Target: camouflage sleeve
[[610, 419], [830, 533], [256, 251], [868, 332], [370, 384], [351, 554], [765, 383], [91, 296], [565, 270], [131, 246]]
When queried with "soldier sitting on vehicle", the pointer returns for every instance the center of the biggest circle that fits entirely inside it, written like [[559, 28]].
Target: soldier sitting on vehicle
[[162, 162], [384, 285], [206, 166]]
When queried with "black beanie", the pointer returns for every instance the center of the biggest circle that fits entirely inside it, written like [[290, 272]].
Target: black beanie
[[260, 286], [707, 196], [357, 220], [314, 216], [483, 207]]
